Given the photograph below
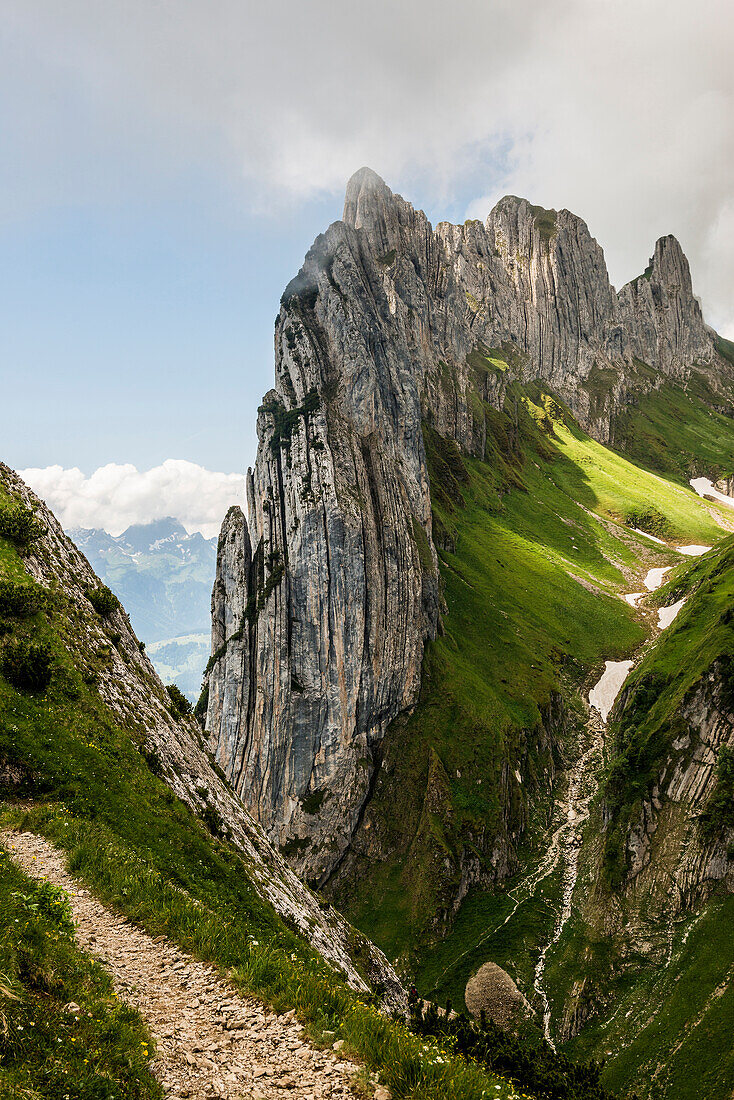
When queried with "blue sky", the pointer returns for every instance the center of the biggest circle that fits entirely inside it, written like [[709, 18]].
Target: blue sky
[[139, 331], [166, 166]]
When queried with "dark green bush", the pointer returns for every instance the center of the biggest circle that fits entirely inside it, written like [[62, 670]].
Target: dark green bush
[[202, 704], [649, 519], [153, 760], [19, 524], [313, 802], [26, 664], [179, 703], [212, 818], [103, 600], [21, 599]]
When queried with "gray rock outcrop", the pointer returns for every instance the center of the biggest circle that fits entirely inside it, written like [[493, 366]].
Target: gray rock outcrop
[[327, 594], [492, 991], [662, 319], [131, 690], [694, 862]]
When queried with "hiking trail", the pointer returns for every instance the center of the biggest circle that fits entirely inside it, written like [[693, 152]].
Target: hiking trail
[[210, 1040]]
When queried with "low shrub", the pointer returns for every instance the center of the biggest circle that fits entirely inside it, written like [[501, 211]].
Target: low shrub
[[202, 704], [152, 759], [103, 600], [180, 705], [21, 600], [649, 519], [27, 664], [19, 524], [212, 818]]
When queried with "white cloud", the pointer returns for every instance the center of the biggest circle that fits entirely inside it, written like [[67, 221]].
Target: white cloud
[[116, 496], [619, 111]]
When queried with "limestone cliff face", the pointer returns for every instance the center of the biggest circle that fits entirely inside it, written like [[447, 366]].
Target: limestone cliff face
[[341, 591], [662, 318], [132, 691], [326, 596], [674, 864]]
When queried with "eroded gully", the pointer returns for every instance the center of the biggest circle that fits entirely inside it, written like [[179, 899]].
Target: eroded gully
[[574, 809]]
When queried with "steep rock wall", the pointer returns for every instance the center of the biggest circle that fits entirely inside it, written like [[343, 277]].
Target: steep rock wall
[[673, 863], [390, 322], [131, 689]]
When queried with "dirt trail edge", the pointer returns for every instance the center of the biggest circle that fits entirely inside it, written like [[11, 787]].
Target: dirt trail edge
[[211, 1042]]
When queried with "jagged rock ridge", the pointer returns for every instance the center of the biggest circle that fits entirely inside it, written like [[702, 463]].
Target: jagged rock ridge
[[324, 601]]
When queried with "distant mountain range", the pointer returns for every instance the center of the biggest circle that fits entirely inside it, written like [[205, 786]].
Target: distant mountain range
[[163, 575]]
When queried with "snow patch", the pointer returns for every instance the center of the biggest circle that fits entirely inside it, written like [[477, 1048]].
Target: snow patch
[[647, 535], [667, 614], [655, 577], [602, 696], [706, 488]]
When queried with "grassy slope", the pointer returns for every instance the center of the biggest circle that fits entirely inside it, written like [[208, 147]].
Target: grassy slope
[[147, 856], [669, 1034], [675, 431], [101, 1052], [519, 628]]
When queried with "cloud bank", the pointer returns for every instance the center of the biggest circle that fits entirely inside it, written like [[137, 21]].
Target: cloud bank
[[620, 111], [116, 496]]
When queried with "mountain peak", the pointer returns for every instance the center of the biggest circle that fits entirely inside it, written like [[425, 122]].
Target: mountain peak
[[670, 264], [141, 536], [370, 204], [364, 189]]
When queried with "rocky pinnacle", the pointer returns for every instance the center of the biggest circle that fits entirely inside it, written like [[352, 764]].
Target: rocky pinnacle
[[327, 594]]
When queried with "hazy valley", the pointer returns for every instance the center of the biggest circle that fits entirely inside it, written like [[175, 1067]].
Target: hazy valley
[[163, 576]]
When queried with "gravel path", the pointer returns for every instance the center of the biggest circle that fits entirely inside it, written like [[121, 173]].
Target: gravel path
[[211, 1042]]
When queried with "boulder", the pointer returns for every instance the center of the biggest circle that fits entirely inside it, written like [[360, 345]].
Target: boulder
[[492, 989]]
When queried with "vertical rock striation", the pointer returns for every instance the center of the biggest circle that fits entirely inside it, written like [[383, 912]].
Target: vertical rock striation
[[322, 606], [661, 317]]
